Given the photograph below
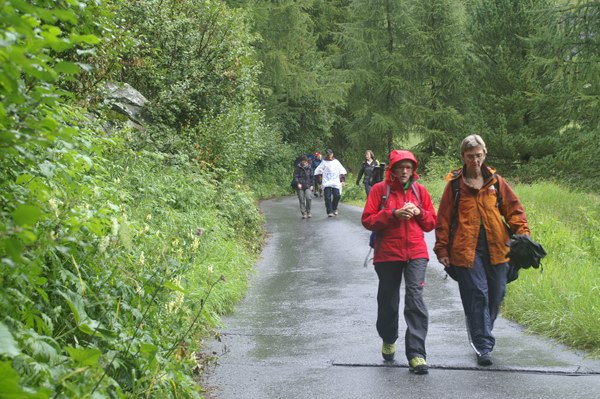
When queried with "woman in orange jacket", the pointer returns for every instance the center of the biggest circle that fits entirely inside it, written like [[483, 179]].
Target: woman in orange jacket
[[471, 238]]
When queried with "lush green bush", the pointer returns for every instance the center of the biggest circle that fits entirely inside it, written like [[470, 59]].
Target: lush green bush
[[113, 262], [116, 284]]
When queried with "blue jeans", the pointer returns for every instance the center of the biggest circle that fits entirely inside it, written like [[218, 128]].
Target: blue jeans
[[332, 198], [415, 311], [482, 290]]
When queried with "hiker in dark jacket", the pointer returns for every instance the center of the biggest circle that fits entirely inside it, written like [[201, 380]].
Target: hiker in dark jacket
[[304, 182], [471, 240], [367, 170], [399, 210]]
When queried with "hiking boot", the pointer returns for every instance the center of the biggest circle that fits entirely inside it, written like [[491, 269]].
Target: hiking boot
[[418, 365], [308, 215], [484, 360], [304, 216], [330, 215], [388, 351], [335, 212]]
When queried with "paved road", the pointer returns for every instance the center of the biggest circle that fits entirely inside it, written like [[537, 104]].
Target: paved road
[[307, 329]]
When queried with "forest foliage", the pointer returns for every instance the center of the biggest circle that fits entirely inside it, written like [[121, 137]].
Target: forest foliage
[[120, 247]]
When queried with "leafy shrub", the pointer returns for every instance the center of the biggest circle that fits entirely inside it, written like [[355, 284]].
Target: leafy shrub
[[110, 259]]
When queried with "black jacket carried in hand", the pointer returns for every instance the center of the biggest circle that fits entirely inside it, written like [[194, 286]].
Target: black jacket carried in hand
[[524, 253]]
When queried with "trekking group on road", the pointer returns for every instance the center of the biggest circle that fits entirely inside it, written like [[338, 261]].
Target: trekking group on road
[[323, 177], [477, 215]]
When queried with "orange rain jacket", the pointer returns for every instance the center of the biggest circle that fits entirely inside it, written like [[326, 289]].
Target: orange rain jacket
[[478, 207]]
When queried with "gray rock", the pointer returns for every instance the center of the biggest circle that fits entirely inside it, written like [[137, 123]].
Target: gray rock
[[127, 101]]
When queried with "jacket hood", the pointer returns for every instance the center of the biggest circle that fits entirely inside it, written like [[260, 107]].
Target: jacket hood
[[397, 156]]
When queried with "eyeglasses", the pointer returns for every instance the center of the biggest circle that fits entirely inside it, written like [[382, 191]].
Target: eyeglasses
[[472, 157]]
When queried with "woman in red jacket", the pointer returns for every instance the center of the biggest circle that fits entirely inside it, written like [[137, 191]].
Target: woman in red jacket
[[399, 210]]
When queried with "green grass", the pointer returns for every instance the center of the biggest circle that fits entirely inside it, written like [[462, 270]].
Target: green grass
[[563, 301]]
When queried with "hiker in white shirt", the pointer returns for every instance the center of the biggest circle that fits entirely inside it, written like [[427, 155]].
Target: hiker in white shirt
[[333, 177]]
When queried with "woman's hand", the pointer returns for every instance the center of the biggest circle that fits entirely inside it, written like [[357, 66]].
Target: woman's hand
[[408, 211], [412, 208], [445, 261]]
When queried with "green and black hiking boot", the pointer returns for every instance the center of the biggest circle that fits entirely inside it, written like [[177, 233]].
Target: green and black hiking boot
[[418, 365], [388, 351]]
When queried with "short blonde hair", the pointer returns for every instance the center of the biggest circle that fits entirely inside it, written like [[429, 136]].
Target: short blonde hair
[[370, 153], [472, 141]]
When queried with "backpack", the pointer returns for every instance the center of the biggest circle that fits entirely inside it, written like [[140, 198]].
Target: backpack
[[374, 176]]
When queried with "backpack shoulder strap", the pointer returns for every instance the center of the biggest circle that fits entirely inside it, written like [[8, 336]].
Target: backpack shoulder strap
[[384, 198], [498, 194], [375, 239], [456, 198], [416, 192]]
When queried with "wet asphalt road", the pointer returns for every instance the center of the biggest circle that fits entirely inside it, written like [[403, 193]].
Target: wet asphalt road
[[306, 329]]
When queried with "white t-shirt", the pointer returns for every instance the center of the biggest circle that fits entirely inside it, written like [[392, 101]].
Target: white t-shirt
[[331, 171]]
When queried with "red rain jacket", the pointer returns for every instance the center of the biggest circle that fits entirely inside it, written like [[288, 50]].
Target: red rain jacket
[[398, 240]]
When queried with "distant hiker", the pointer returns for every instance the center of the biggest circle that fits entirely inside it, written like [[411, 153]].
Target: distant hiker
[[304, 182], [332, 175], [471, 240], [316, 162], [368, 170], [399, 210]]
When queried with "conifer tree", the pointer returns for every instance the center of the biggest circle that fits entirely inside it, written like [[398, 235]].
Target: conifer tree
[[436, 80], [375, 56], [499, 55], [299, 91], [567, 53]]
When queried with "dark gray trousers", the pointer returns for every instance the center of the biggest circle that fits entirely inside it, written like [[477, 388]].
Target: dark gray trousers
[[305, 200], [415, 311]]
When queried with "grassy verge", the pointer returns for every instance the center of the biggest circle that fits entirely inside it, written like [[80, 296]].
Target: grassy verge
[[128, 265], [563, 302]]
